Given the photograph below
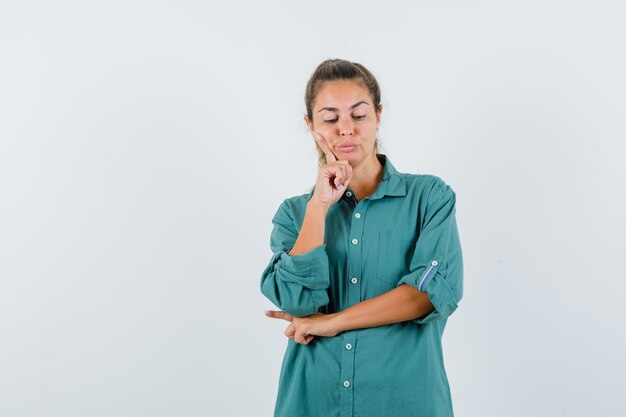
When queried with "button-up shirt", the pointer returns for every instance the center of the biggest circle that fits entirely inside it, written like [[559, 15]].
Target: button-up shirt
[[405, 233]]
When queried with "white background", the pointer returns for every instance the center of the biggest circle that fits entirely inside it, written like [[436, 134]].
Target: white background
[[145, 147]]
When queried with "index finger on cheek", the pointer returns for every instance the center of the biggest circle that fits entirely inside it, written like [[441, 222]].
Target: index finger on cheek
[[330, 156]]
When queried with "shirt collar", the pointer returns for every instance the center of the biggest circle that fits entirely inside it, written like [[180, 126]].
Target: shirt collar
[[393, 182]]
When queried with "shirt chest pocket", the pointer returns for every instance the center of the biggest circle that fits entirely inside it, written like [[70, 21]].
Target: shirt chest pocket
[[395, 250]]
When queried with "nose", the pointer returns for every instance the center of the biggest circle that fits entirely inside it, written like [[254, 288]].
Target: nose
[[346, 128]]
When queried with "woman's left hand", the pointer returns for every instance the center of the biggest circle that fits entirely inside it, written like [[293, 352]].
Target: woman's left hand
[[303, 329]]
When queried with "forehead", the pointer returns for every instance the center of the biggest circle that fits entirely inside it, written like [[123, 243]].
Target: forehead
[[341, 94]]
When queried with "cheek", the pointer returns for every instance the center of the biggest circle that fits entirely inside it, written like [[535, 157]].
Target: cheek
[[320, 126], [325, 129], [369, 130]]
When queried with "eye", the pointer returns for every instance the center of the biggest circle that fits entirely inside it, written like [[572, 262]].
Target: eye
[[359, 117]]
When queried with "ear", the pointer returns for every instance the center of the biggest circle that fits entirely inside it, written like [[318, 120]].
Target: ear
[[309, 124], [378, 114]]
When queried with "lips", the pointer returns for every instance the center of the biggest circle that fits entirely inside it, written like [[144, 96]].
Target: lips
[[346, 147]]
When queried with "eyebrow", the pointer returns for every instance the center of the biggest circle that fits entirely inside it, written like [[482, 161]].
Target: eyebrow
[[336, 109]]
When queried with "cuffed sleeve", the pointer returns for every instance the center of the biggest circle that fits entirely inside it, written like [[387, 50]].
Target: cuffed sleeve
[[297, 284], [437, 263]]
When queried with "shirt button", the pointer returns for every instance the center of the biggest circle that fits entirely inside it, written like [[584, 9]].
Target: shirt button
[[355, 241], [348, 346], [357, 215], [346, 384], [348, 193], [434, 263], [354, 280]]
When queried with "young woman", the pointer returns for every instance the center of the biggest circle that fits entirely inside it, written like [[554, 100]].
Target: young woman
[[367, 267]]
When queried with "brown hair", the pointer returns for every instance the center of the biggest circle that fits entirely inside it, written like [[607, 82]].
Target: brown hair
[[339, 69]]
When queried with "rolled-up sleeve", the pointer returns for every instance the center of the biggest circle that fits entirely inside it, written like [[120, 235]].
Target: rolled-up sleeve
[[297, 284], [437, 263]]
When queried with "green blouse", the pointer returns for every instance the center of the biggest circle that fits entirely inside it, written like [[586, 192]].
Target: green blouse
[[403, 233]]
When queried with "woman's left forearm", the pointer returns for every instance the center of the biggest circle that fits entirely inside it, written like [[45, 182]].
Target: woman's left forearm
[[403, 303]]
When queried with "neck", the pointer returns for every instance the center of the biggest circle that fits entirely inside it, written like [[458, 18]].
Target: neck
[[366, 176]]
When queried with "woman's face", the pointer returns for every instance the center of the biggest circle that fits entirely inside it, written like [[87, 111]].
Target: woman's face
[[344, 114]]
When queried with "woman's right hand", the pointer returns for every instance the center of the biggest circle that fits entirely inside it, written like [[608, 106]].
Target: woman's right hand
[[332, 178]]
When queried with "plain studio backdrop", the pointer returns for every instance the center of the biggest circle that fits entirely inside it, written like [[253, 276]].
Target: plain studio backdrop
[[145, 147]]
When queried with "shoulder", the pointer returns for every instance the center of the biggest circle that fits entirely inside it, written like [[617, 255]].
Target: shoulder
[[429, 191], [431, 194], [428, 184]]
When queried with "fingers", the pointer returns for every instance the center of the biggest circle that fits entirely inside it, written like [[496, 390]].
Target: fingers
[[343, 173], [298, 334], [348, 171], [302, 338], [278, 315], [290, 331], [321, 140], [343, 186]]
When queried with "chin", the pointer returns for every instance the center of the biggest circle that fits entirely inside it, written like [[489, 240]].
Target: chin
[[353, 158]]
